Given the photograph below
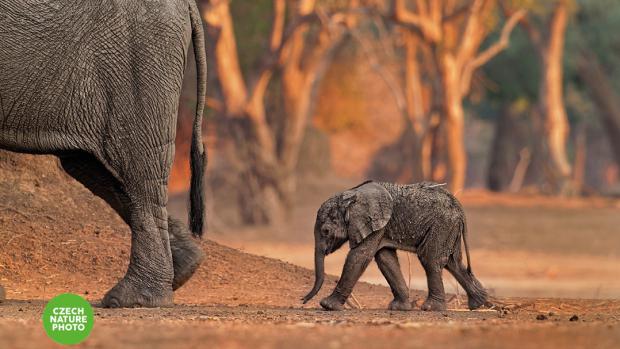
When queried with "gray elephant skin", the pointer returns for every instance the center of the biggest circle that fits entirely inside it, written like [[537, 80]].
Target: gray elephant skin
[[97, 83], [379, 218]]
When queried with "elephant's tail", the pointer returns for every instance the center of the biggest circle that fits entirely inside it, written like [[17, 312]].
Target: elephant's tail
[[198, 158], [464, 237]]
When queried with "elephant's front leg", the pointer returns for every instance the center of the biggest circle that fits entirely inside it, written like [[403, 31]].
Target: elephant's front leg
[[387, 260], [355, 264]]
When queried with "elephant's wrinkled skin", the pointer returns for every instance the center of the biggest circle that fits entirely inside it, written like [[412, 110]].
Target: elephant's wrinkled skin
[[379, 218], [97, 83]]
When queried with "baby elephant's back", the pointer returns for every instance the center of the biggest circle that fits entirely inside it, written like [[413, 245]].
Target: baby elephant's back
[[421, 209]]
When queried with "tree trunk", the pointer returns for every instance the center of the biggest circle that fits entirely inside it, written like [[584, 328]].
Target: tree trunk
[[605, 98], [259, 178], [255, 151], [454, 122], [504, 150], [305, 67], [551, 96], [416, 109]]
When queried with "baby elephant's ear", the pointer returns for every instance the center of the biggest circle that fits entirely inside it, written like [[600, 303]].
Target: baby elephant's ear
[[370, 210]]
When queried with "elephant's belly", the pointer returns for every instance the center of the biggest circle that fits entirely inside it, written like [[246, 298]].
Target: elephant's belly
[[39, 141], [398, 246]]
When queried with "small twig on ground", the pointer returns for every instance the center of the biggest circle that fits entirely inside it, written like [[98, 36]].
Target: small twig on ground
[[14, 210], [13, 237], [357, 303]]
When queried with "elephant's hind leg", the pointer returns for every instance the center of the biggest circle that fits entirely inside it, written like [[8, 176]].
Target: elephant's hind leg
[[387, 260], [476, 294], [140, 199], [186, 254], [436, 299], [87, 170]]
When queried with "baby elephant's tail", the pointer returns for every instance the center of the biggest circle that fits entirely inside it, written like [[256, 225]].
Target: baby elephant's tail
[[476, 294], [464, 237]]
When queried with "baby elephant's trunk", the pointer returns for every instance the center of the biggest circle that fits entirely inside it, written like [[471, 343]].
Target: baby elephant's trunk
[[319, 270]]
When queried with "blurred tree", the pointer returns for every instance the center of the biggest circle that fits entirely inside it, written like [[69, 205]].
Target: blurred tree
[[267, 146], [404, 159], [455, 31], [304, 63], [596, 62], [510, 102], [546, 29]]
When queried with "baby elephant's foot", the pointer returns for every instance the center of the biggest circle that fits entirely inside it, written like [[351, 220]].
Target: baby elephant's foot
[[434, 305], [475, 303], [332, 303], [400, 305]]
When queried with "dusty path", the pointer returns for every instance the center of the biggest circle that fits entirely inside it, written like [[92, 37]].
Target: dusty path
[[595, 325]]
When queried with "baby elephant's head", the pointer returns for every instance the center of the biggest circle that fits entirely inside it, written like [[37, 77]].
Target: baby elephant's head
[[350, 215], [330, 228]]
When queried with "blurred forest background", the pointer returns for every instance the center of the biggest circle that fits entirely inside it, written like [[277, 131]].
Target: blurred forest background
[[515, 96]]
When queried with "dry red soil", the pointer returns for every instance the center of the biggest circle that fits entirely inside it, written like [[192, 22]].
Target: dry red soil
[[56, 237]]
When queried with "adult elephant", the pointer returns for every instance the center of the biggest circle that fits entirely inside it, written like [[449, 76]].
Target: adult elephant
[[97, 83]]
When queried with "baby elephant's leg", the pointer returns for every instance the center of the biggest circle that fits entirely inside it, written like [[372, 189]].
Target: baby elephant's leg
[[476, 294], [2, 294], [387, 260], [355, 264], [436, 300]]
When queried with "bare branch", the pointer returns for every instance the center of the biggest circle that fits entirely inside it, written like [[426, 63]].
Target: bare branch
[[277, 30], [456, 14], [534, 33], [234, 89], [492, 51], [389, 79], [435, 13], [426, 24], [421, 7], [471, 37]]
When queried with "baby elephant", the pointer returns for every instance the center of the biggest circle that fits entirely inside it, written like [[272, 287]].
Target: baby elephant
[[379, 218]]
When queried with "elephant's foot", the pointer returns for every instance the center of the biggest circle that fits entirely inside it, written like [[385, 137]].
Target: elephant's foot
[[185, 265], [332, 303], [477, 302], [186, 253], [434, 305], [2, 294], [128, 294], [477, 295], [400, 305]]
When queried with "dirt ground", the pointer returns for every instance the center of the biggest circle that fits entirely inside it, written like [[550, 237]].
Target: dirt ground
[[552, 267]]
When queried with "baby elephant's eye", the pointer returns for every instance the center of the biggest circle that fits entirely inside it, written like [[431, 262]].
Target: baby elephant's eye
[[324, 231]]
